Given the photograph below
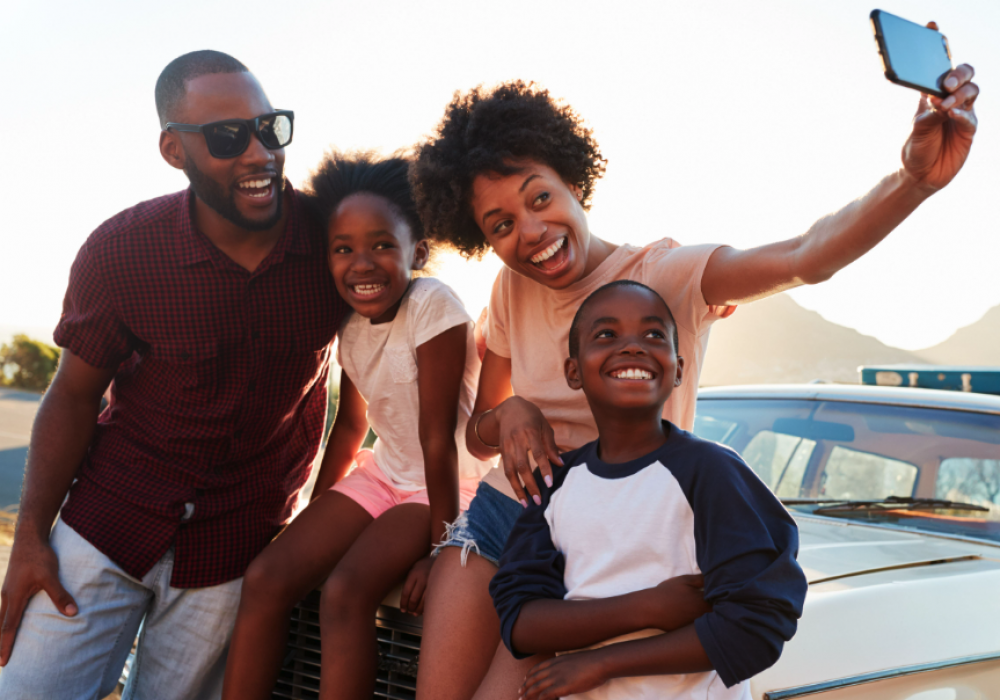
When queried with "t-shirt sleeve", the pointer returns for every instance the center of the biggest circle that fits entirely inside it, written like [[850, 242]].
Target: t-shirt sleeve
[[675, 271], [436, 309], [746, 544], [90, 326], [495, 330], [530, 567]]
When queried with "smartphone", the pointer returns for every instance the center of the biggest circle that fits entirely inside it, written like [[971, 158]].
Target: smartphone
[[913, 56]]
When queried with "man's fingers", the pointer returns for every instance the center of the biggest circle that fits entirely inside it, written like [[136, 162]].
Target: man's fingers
[[959, 77], [962, 98], [404, 595], [61, 598], [8, 630]]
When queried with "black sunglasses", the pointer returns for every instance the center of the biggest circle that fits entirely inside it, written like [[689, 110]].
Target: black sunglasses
[[230, 137]]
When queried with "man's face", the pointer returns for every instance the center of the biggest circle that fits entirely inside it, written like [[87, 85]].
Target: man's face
[[245, 190]]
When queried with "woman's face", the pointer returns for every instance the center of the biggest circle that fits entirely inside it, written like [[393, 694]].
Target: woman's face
[[536, 225]]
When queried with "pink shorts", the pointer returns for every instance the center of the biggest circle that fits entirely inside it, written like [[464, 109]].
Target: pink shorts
[[367, 486]]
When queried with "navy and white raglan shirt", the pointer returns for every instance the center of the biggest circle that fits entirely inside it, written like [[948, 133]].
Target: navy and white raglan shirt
[[691, 506]]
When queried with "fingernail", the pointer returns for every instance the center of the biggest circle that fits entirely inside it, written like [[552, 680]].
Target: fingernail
[[524, 503], [951, 83], [537, 500], [947, 104], [71, 610], [548, 480]]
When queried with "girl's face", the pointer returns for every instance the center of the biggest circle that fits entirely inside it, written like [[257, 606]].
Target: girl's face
[[536, 225], [371, 255]]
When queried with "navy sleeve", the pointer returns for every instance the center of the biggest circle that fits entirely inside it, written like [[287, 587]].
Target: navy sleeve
[[746, 544], [530, 567]]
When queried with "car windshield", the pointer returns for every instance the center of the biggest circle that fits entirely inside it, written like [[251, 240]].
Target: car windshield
[[837, 450]]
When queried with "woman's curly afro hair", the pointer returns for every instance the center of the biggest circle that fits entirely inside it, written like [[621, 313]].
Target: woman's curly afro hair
[[489, 131]]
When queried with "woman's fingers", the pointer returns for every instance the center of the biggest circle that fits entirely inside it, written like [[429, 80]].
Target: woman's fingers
[[509, 457]]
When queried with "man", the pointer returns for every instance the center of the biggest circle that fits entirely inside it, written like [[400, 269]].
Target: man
[[210, 313]]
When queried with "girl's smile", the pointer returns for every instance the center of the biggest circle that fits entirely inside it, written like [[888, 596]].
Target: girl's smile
[[371, 254]]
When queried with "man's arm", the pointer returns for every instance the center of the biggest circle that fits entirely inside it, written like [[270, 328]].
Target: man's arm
[[935, 151], [60, 437]]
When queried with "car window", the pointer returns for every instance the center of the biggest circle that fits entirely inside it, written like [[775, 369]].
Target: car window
[[854, 475], [779, 460], [970, 481]]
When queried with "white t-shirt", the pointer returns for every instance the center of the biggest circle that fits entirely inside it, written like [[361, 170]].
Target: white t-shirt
[[381, 360]]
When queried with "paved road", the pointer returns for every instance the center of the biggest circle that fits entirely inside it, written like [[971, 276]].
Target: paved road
[[17, 413]]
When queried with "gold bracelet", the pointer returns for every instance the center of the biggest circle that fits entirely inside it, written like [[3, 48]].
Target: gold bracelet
[[476, 429]]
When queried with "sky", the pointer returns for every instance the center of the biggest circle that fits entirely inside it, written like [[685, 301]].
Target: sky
[[729, 122]]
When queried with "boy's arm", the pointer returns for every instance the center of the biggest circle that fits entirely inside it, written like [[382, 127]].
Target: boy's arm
[[675, 652], [348, 433], [746, 544], [932, 155], [549, 626]]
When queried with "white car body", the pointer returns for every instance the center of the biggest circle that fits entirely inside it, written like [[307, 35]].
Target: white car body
[[892, 612]]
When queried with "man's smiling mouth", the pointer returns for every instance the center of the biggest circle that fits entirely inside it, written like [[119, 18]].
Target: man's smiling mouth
[[257, 188]]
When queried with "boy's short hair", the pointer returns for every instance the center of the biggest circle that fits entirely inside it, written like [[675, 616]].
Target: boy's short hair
[[488, 131], [574, 328], [339, 175]]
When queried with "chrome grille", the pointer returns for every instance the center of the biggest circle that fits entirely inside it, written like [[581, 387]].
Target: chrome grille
[[398, 654]]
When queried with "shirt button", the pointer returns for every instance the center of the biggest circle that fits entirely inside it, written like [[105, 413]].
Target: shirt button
[[185, 355], [188, 511]]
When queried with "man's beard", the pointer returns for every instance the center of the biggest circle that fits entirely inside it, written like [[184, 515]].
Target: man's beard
[[213, 194]]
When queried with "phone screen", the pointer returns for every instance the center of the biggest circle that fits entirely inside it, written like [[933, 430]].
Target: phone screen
[[914, 56]]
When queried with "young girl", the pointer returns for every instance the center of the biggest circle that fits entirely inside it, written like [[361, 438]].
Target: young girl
[[511, 170], [410, 369]]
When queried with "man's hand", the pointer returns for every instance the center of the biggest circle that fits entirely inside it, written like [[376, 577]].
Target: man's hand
[[564, 675], [942, 132], [677, 602], [33, 567], [411, 600]]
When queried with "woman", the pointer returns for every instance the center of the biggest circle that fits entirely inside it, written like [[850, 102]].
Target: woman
[[513, 171]]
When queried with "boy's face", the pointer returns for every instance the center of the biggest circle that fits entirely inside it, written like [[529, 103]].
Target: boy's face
[[626, 356]]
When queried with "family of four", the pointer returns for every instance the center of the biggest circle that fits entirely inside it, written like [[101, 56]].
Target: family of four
[[605, 528]]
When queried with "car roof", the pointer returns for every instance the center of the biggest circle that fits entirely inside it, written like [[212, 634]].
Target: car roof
[[894, 396]]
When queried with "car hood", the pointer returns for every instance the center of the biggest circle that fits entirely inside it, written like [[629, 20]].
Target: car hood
[[834, 549]]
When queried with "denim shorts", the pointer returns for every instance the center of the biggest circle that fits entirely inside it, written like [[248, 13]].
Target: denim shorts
[[485, 526]]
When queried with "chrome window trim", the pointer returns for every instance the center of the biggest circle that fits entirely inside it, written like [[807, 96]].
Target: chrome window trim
[[898, 672]]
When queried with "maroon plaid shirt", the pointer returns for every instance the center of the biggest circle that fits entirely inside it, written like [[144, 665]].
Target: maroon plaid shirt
[[219, 400]]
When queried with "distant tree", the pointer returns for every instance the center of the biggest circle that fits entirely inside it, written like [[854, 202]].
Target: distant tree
[[28, 364]]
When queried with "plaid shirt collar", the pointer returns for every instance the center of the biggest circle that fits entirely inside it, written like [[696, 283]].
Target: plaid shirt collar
[[191, 246]]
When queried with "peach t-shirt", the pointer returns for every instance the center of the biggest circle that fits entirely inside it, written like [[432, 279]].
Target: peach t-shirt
[[529, 323]]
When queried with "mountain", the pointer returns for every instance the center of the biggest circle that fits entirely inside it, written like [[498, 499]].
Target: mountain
[[976, 344], [776, 340]]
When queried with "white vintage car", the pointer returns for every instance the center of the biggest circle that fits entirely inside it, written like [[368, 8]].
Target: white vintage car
[[896, 493]]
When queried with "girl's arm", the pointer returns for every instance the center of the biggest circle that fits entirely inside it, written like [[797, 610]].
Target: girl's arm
[[348, 433], [440, 369], [515, 425]]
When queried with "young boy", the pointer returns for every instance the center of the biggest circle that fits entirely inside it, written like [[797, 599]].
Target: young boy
[[644, 503]]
